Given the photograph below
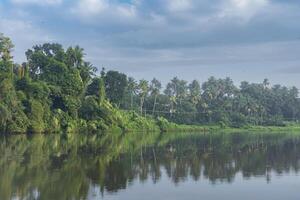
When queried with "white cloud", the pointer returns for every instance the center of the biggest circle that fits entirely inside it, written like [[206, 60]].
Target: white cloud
[[244, 9], [165, 36], [87, 8], [179, 5], [248, 4], [127, 11], [23, 34], [91, 10], [37, 2]]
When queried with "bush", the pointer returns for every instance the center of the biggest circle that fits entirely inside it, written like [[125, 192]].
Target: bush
[[274, 121], [238, 120], [5, 116], [36, 116]]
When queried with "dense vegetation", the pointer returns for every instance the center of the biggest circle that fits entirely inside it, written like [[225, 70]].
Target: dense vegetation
[[57, 90]]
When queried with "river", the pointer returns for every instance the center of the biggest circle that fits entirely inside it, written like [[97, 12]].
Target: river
[[153, 166]]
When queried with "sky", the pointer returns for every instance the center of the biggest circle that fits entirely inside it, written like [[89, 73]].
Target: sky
[[191, 39]]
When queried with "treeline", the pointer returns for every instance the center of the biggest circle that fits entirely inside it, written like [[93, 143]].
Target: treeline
[[213, 101], [56, 89]]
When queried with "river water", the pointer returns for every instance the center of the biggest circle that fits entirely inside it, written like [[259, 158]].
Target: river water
[[169, 166]]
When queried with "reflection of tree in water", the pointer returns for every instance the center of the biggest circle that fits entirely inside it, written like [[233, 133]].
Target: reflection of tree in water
[[65, 167]]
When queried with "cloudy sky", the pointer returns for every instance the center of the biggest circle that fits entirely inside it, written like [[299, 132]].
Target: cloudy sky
[[191, 39]]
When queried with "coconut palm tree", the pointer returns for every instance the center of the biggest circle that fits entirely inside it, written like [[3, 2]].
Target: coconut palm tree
[[155, 88], [132, 88], [143, 89]]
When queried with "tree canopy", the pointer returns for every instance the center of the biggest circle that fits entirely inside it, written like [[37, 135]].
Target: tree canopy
[[57, 89]]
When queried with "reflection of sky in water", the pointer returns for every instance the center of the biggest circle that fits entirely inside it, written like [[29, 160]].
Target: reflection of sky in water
[[258, 188], [150, 166]]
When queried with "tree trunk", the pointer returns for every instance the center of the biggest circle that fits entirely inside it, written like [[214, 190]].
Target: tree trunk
[[131, 101], [153, 111], [141, 104]]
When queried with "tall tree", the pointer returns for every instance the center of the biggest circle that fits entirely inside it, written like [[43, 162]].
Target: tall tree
[[102, 94], [6, 65], [155, 87], [177, 91], [87, 71], [143, 89], [5, 48], [74, 56], [194, 92], [132, 88], [115, 85]]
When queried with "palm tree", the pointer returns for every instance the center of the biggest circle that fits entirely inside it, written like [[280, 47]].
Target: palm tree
[[78, 54], [155, 90], [143, 89], [75, 56], [132, 87], [194, 92], [87, 71]]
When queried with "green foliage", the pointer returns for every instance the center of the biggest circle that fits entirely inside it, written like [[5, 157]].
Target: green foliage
[[71, 105], [93, 88], [115, 85], [89, 109], [6, 65], [102, 94], [19, 122], [163, 124], [57, 91], [5, 117], [36, 117], [37, 89], [238, 120]]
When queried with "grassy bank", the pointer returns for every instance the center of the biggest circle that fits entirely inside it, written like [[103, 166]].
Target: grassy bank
[[135, 123], [166, 126], [211, 128]]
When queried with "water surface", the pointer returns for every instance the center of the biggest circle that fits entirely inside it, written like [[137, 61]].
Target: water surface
[[151, 166]]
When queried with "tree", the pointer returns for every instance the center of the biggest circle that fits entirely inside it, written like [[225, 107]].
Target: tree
[[155, 87], [194, 92], [58, 90], [6, 47], [5, 117], [89, 109], [115, 85], [87, 71], [74, 56], [6, 65], [143, 89], [94, 87], [40, 56], [132, 88], [36, 114], [176, 90], [102, 94]]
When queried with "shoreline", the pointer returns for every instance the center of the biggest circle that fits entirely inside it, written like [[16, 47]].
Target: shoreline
[[175, 128]]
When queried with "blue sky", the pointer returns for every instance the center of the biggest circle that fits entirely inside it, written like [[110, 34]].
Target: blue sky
[[192, 39]]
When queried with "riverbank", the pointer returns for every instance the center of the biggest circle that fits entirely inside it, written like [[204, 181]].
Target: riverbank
[[166, 126], [118, 121], [211, 128], [136, 123]]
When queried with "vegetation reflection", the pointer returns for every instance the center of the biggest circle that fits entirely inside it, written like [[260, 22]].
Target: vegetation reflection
[[68, 166]]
